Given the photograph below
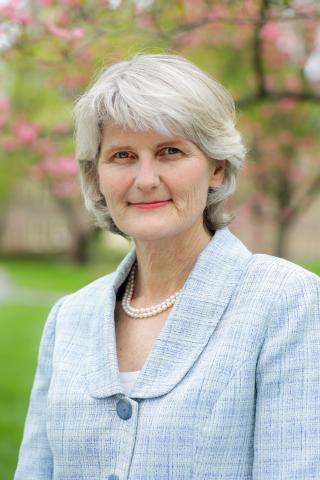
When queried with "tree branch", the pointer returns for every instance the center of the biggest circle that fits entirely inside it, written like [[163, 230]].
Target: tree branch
[[257, 59], [237, 21], [304, 203], [274, 96]]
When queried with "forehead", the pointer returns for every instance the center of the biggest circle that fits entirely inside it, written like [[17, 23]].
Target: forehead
[[113, 134]]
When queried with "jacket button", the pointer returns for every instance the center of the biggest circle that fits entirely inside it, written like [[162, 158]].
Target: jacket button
[[113, 477], [124, 409]]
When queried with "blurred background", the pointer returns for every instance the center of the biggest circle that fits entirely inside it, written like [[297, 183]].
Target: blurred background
[[266, 53]]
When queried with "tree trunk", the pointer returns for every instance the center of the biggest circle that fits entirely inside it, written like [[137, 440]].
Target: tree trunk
[[81, 233], [82, 240], [281, 239]]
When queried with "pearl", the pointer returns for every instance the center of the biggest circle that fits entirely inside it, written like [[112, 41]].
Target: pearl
[[147, 311]]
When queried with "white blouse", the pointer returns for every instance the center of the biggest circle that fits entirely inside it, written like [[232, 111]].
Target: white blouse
[[128, 380]]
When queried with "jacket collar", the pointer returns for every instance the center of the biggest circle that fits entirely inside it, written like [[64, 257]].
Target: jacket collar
[[192, 320]]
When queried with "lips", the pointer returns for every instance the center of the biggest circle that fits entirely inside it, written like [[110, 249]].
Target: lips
[[156, 204], [150, 203]]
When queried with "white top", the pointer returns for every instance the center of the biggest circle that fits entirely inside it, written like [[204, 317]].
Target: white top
[[128, 380]]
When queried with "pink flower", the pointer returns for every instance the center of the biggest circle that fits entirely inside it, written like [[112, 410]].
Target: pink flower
[[297, 175], [9, 144], [306, 7], [288, 104], [285, 137], [74, 80], [67, 165], [57, 167], [68, 187], [63, 18], [71, 3], [23, 19], [25, 131], [144, 20], [292, 82], [271, 82], [190, 39], [217, 12], [285, 214], [270, 31], [45, 3], [71, 34], [60, 172], [46, 147], [61, 128], [4, 109], [15, 11]]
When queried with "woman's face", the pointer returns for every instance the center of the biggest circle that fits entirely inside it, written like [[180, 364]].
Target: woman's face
[[139, 167]]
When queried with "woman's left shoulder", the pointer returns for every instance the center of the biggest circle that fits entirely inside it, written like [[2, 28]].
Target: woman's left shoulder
[[292, 292], [282, 274]]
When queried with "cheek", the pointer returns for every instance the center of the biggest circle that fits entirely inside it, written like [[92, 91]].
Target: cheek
[[111, 184], [197, 197], [193, 187]]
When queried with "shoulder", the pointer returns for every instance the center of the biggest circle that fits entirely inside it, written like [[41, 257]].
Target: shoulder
[[282, 292], [96, 287], [279, 274], [73, 315], [292, 294], [77, 303]]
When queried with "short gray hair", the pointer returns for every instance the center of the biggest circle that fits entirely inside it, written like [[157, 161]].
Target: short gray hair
[[169, 94]]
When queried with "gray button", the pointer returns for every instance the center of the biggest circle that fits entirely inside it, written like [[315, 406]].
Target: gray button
[[113, 477], [124, 409]]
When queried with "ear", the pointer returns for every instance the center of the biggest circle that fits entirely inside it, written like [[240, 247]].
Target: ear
[[217, 173]]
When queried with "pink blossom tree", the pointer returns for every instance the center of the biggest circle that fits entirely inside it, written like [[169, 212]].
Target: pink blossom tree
[[266, 53]]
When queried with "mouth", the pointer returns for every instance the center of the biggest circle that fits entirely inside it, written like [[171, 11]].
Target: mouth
[[158, 203]]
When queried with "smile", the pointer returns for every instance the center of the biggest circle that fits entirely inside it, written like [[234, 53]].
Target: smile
[[151, 204]]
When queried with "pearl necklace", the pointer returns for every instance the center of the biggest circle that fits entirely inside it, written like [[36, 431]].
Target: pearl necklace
[[143, 312]]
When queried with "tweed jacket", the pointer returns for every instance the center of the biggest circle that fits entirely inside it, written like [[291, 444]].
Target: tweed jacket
[[230, 389]]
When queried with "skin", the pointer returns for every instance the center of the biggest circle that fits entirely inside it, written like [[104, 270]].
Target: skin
[[136, 166]]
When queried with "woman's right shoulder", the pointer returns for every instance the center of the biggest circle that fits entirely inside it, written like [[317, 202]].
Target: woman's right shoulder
[[84, 298], [72, 317], [95, 287]]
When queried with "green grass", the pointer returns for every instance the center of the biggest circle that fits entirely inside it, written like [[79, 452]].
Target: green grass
[[313, 267], [56, 275], [20, 331]]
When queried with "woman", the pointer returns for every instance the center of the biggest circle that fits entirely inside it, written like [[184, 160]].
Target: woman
[[195, 359]]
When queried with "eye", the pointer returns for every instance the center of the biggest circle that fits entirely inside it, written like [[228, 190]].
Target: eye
[[122, 154], [171, 150]]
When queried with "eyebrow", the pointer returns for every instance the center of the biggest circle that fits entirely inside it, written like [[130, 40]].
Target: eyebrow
[[129, 147]]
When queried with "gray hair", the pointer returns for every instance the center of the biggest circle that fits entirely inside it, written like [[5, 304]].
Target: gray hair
[[168, 94]]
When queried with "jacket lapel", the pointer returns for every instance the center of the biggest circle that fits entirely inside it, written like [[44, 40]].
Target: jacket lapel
[[192, 320]]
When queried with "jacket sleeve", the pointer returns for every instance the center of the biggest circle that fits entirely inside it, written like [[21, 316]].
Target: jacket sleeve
[[287, 422], [35, 458]]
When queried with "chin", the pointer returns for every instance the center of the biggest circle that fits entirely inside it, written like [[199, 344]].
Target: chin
[[152, 230], [151, 234], [148, 236]]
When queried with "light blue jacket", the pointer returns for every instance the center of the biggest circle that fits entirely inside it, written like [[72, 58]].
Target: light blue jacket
[[229, 391]]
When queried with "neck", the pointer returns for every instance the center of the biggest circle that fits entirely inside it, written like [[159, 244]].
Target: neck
[[164, 265]]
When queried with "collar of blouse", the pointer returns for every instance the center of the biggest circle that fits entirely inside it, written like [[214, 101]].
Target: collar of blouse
[[192, 320]]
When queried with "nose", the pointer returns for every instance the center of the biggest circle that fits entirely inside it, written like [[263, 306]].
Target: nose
[[146, 176]]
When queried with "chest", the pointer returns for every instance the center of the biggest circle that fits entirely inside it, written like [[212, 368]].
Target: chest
[[197, 422], [187, 431], [135, 337]]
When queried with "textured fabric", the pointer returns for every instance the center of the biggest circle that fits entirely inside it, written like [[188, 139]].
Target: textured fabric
[[229, 391], [128, 379]]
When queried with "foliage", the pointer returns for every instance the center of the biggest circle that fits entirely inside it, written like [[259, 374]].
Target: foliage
[[266, 52], [19, 342]]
